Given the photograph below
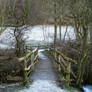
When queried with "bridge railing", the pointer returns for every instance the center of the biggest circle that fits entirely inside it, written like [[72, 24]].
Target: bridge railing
[[28, 61], [64, 65]]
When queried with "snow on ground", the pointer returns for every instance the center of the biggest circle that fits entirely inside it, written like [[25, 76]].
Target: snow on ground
[[7, 36], [37, 34], [43, 86]]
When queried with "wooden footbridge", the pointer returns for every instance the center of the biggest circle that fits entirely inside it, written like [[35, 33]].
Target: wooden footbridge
[[63, 63], [43, 68]]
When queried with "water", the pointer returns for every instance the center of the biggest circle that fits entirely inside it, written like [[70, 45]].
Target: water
[[87, 88]]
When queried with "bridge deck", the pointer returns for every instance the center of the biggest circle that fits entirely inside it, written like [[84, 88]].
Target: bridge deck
[[44, 77], [44, 69]]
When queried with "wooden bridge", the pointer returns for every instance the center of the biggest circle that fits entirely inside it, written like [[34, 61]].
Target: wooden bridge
[[63, 63]]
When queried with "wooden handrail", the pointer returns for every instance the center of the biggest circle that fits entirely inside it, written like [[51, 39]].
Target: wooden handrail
[[26, 69], [27, 55], [29, 60], [64, 63], [65, 57], [26, 58]]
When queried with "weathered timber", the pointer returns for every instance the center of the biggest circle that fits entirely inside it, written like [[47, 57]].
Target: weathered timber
[[64, 63], [29, 60], [27, 56], [64, 56], [67, 58]]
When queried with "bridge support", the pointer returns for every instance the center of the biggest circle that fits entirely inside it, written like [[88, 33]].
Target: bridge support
[[67, 77]]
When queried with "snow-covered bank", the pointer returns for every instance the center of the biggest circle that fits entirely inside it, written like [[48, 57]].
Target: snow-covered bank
[[36, 35]]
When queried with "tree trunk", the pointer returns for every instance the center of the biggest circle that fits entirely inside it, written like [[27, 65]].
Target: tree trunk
[[55, 24], [84, 55], [60, 23]]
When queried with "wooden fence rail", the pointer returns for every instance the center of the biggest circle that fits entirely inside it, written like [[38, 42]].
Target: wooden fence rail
[[28, 61], [64, 64]]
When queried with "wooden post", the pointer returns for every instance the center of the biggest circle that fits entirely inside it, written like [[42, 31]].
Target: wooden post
[[67, 77], [59, 67], [55, 23], [26, 79], [55, 54]]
